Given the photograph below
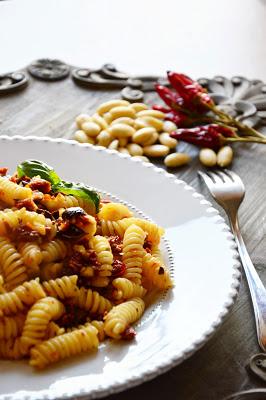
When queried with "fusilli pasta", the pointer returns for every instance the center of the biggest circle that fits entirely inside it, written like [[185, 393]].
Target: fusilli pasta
[[50, 270], [92, 301], [65, 201], [11, 327], [54, 251], [120, 317], [21, 297], [155, 272], [10, 192], [103, 276], [32, 257], [105, 258], [37, 320], [61, 288], [66, 345], [125, 289], [11, 265], [133, 252]]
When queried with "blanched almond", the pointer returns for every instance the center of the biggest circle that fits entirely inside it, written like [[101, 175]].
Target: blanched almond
[[121, 130], [156, 150], [208, 157], [225, 156], [176, 160], [91, 128], [108, 105]]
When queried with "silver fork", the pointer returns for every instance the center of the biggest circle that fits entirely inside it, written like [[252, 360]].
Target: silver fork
[[228, 190]]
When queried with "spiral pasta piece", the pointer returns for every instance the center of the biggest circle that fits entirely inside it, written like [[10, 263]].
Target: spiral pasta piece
[[156, 252], [109, 228], [50, 270], [11, 327], [62, 288], [11, 264], [32, 257], [92, 301], [64, 346], [53, 330], [133, 253], [120, 317], [10, 219], [125, 289], [105, 257], [114, 212], [10, 191], [155, 272], [38, 318], [21, 297], [11, 349], [99, 325], [54, 251], [2, 288], [66, 201]]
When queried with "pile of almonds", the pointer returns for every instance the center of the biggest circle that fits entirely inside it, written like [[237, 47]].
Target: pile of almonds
[[131, 128], [137, 130]]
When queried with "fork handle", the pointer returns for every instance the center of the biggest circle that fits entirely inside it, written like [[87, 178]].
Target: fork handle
[[256, 287]]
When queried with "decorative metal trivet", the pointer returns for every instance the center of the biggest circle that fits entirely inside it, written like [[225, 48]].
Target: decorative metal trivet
[[257, 365], [108, 78], [12, 82], [49, 70], [242, 98]]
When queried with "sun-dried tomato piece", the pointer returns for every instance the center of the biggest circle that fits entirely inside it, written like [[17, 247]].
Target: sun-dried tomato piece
[[147, 245], [25, 234], [119, 268], [129, 333], [116, 244], [27, 203], [3, 171], [40, 184], [79, 260]]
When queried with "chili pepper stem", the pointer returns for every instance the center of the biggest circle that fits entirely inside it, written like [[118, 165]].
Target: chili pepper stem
[[246, 139], [242, 127]]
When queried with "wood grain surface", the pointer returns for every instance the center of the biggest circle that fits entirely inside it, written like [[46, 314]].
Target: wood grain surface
[[219, 368]]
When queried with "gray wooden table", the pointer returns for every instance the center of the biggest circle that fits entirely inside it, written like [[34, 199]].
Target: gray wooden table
[[219, 368]]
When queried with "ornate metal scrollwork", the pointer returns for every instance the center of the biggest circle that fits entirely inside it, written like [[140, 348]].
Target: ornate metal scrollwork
[[12, 82], [257, 365], [108, 77], [244, 99], [49, 70]]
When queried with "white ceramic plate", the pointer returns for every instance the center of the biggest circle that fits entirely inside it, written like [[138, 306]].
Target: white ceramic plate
[[205, 269]]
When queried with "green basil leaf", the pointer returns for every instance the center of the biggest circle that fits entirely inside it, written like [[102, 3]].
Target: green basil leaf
[[80, 191], [33, 168]]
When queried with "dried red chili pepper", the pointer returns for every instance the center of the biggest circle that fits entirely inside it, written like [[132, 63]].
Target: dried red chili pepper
[[172, 99], [212, 136], [191, 91], [163, 109]]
